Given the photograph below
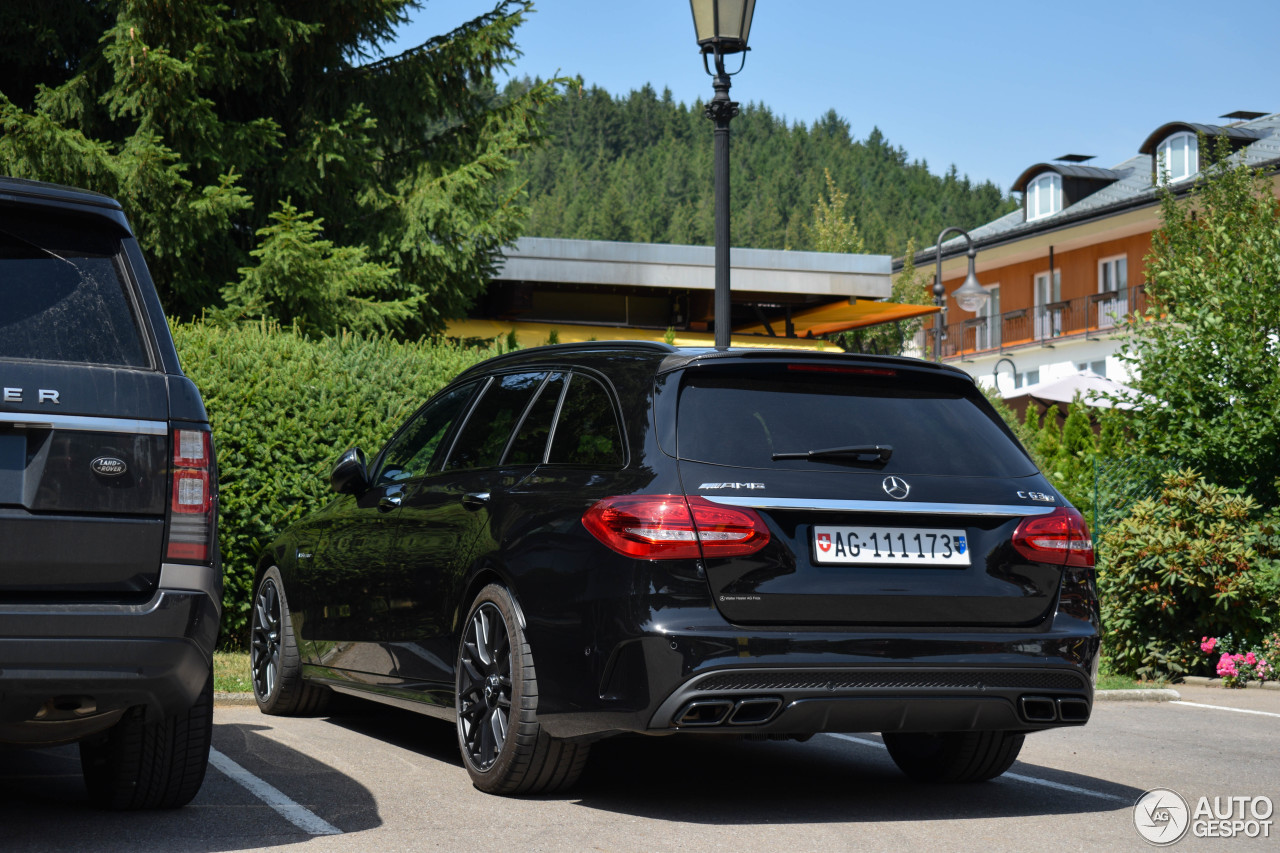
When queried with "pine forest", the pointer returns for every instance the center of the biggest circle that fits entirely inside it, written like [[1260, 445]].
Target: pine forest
[[638, 168]]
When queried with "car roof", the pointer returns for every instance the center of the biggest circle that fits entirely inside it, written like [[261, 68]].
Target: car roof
[[21, 192], [667, 358], [55, 192]]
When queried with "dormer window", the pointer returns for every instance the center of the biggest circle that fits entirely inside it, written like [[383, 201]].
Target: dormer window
[[1044, 196], [1178, 157]]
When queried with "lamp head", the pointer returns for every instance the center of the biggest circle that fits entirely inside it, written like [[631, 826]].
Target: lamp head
[[971, 296], [722, 26]]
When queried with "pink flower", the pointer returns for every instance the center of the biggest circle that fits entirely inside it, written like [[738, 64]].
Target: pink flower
[[1227, 666], [1250, 659], [1207, 644]]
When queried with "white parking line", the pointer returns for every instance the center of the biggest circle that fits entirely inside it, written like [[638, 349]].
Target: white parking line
[[1017, 777], [301, 817], [1225, 708]]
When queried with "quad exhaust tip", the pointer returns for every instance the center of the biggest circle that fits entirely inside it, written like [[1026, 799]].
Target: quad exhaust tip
[[755, 711], [1073, 710], [1047, 709]]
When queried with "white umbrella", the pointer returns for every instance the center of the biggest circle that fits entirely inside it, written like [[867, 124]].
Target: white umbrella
[[1094, 390]]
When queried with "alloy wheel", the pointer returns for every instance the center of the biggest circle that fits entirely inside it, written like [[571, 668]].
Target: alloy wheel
[[484, 686], [264, 652]]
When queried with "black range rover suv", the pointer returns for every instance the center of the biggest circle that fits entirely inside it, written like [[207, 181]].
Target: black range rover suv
[[577, 541], [110, 583]]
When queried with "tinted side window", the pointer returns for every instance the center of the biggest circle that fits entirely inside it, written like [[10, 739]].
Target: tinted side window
[[410, 453], [587, 431], [485, 434], [64, 294], [530, 442]]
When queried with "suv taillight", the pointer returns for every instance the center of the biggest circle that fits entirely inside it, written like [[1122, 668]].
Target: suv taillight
[[1060, 538], [672, 527], [191, 519]]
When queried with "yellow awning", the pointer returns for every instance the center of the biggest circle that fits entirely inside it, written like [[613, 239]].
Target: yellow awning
[[537, 334], [843, 316]]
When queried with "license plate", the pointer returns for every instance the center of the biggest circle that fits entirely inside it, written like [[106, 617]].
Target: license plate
[[898, 546]]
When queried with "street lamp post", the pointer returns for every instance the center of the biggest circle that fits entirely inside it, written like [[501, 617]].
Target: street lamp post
[[995, 372], [722, 27], [970, 296]]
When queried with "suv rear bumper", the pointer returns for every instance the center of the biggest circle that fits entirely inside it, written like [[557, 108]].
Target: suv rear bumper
[[66, 670]]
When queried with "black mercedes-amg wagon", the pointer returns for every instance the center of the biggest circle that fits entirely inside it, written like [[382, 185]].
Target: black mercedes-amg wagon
[[577, 541]]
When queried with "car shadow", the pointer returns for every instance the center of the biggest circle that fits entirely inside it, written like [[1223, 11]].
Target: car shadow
[[428, 736], [825, 780], [44, 806]]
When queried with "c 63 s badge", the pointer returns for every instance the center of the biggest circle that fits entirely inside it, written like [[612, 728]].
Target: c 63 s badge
[[1038, 496]]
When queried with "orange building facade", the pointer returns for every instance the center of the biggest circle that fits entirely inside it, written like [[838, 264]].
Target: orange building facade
[[1063, 272]]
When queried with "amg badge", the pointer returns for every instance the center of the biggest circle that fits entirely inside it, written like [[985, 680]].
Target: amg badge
[[731, 486]]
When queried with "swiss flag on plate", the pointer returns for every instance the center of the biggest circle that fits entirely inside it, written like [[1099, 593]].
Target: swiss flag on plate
[[824, 541]]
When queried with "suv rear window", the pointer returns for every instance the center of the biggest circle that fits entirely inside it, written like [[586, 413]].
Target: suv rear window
[[935, 425], [64, 294]]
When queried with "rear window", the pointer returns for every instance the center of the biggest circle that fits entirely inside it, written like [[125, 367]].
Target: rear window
[[934, 425], [64, 295]]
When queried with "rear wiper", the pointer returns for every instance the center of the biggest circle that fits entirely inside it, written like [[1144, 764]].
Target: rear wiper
[[882, 452]]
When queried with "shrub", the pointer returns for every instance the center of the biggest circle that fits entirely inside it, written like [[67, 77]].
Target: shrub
[[1197, 560], [283, 407]]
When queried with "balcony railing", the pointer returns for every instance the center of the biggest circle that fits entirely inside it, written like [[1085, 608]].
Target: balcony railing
[[1086, 316]]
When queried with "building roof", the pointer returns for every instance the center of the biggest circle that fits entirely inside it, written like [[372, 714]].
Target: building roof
[[1130, 187], [1237, 133], [607, 263], [1089, 173]]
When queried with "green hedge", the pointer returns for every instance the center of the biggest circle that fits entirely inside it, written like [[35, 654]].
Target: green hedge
[[283, 407]]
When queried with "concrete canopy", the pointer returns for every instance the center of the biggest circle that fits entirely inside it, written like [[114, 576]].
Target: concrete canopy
[[651, 265]]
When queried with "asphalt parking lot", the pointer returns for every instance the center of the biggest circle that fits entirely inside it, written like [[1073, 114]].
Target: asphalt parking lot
[[373, 778]]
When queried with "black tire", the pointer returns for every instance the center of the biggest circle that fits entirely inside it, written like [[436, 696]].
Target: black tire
[[159, 765], [274, 665], [953, 756], [502, 745]]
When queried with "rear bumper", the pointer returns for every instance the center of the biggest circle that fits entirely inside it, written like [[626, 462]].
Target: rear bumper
[[691, 671], [66, 670]]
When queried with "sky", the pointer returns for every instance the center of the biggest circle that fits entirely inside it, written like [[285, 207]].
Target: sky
[[992, 87]]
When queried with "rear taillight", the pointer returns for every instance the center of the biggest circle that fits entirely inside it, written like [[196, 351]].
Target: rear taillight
[[671, 527], [1060, 538], [191, 522]]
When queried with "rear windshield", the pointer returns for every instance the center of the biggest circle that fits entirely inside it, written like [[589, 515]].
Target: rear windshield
[[935, 425], [63, 293]]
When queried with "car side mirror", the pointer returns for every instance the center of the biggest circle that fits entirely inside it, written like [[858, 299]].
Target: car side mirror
[[350, 476]]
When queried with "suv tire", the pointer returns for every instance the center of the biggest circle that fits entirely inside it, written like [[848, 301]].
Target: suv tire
[[953, 756], [502, 745], [274, 665], [158, 765]]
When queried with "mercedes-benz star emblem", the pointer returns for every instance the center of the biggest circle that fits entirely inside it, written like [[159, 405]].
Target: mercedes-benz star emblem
[[896, 487]]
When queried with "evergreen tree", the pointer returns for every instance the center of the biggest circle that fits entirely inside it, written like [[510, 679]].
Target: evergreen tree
[[1048, 441], [204, 118], [304, 279], [834, 228], [1073, 465]]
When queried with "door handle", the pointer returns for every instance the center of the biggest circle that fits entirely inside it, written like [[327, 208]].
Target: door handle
[[475, 500], [389, 502]]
